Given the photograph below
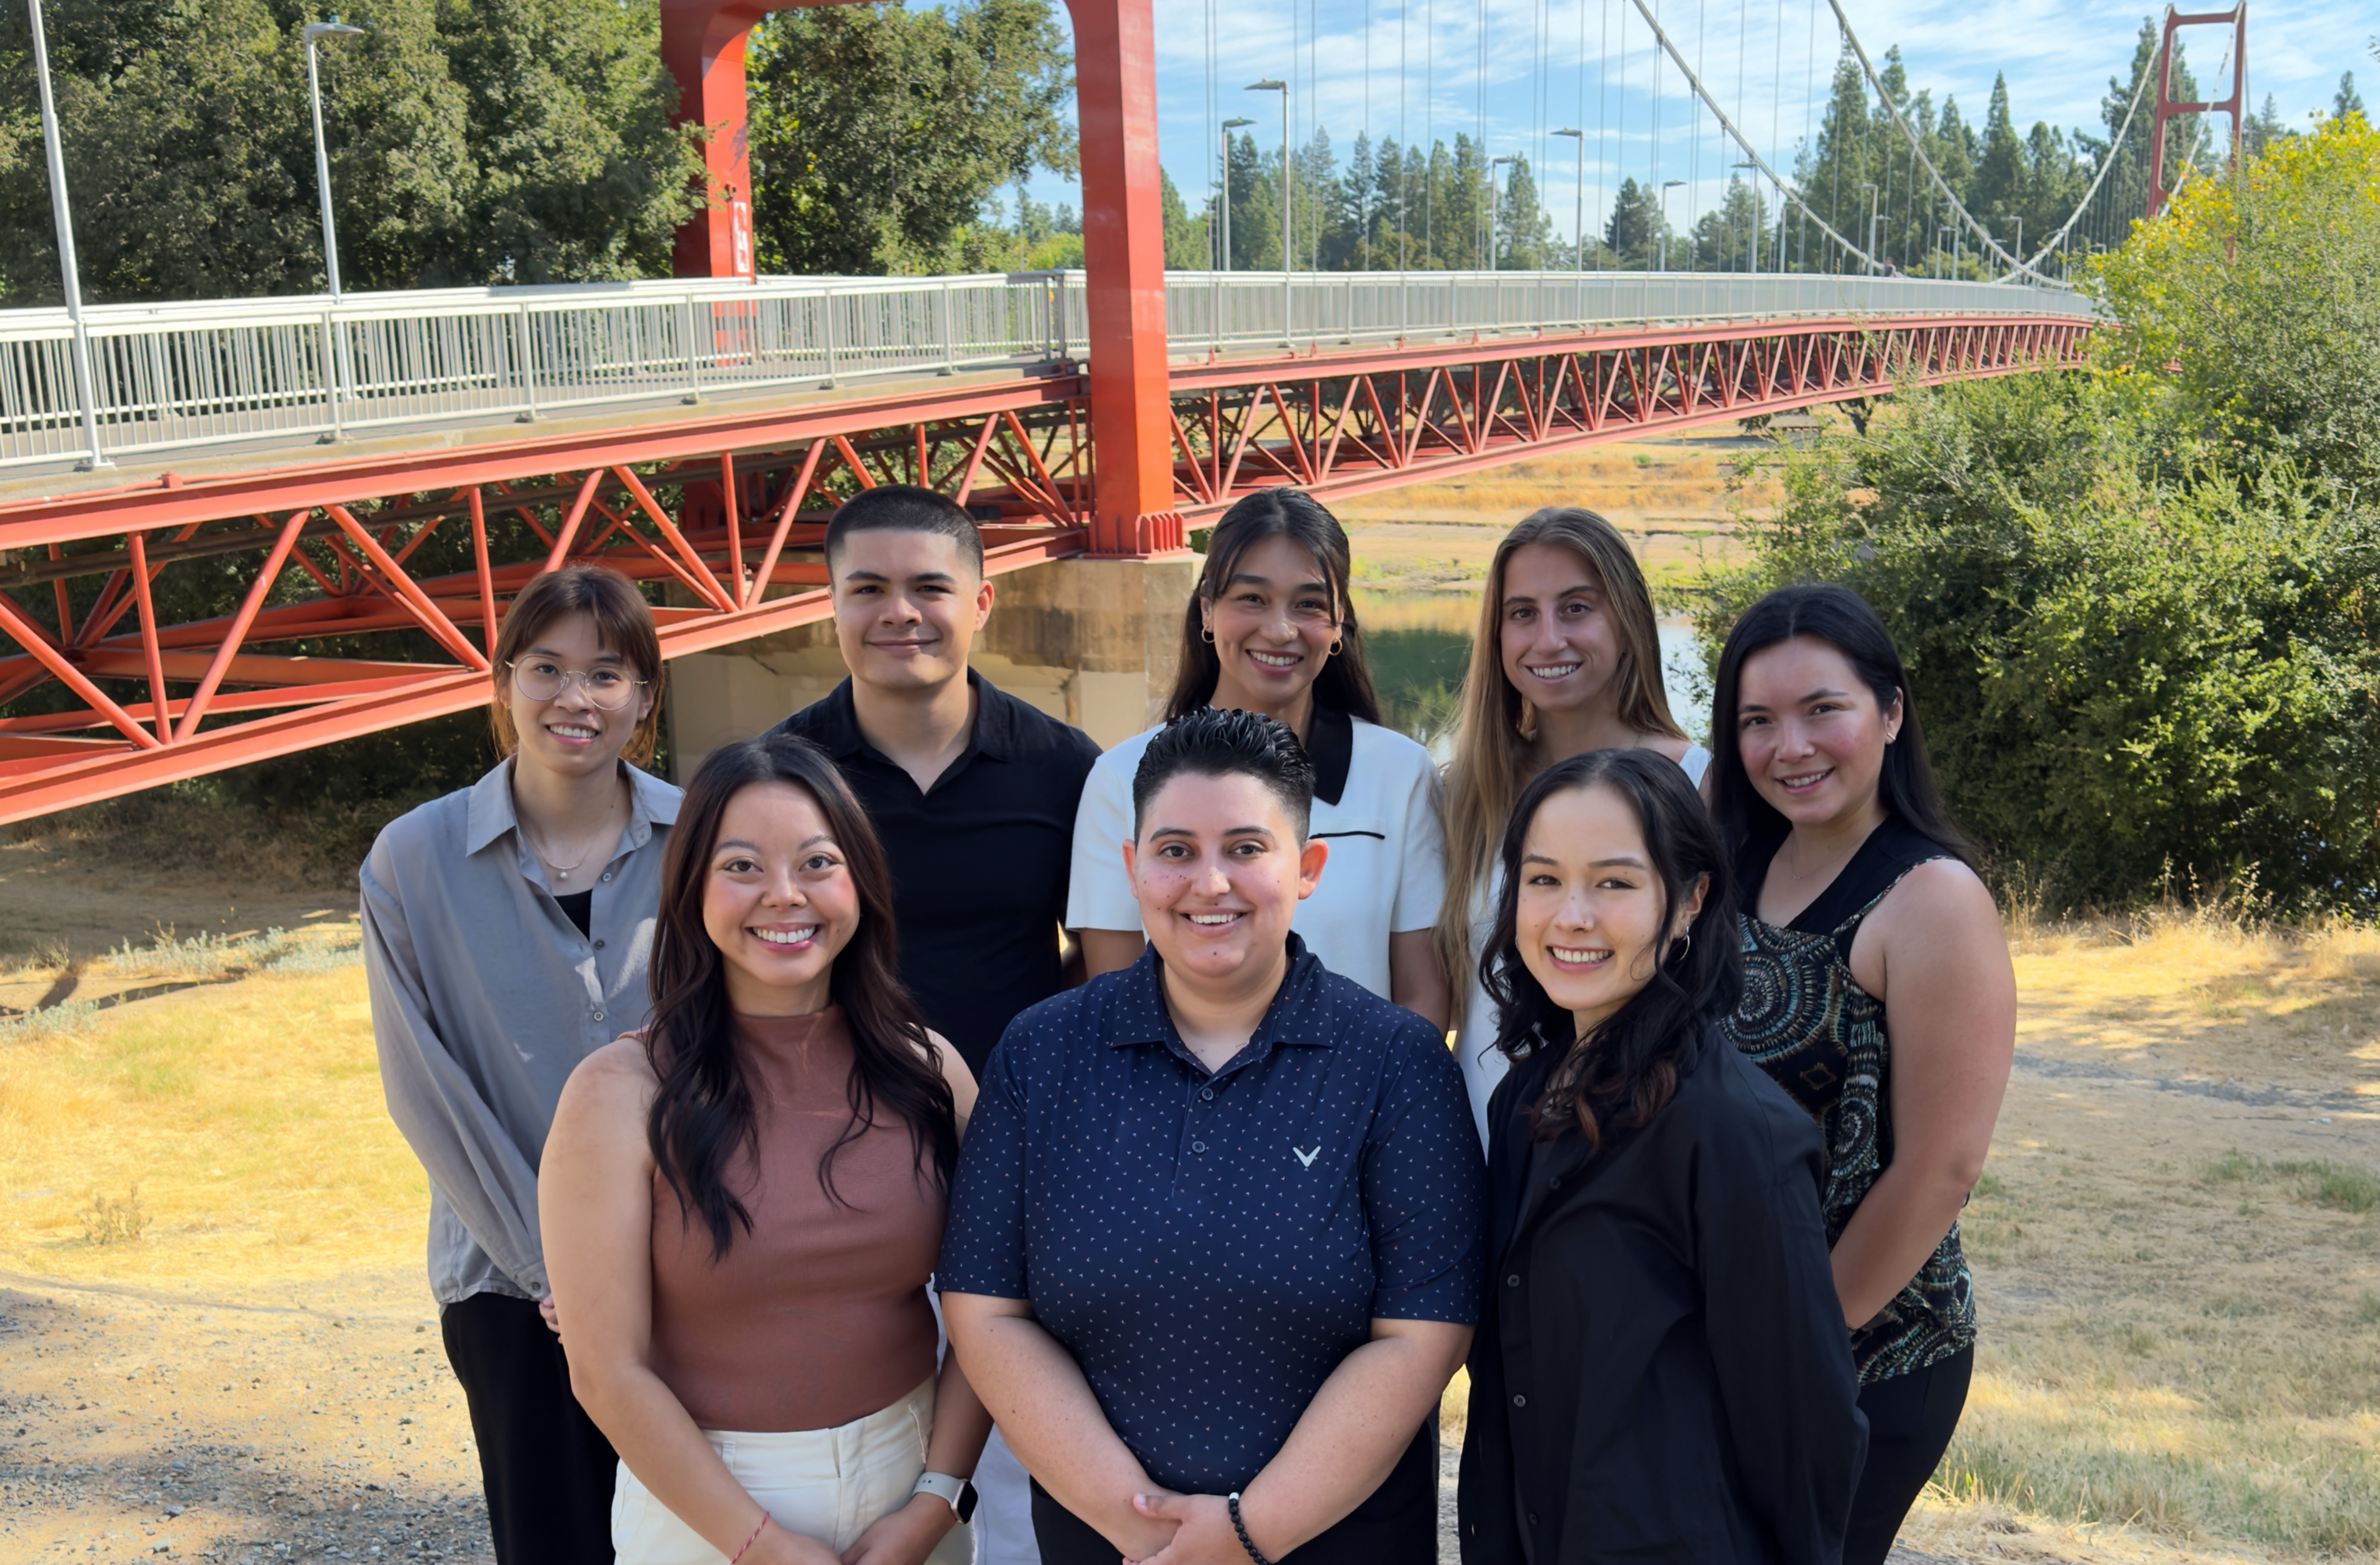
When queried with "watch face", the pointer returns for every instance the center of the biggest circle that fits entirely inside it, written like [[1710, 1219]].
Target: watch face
[[965, 1507]]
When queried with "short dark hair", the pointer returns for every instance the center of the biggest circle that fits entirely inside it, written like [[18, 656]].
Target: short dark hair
[[1226, 741], [1826, 612], [901, 507]]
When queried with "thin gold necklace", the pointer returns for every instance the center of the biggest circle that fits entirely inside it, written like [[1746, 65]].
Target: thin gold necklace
[[562, 871]]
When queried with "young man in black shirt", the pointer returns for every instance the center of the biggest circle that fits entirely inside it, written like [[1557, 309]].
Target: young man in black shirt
[[972, 792]]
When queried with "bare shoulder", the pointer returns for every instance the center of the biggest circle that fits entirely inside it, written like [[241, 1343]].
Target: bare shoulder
[[616, 1077], [1941, 898]]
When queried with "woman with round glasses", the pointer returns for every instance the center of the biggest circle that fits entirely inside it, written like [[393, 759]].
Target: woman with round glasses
[[506, 929], [1272, 629]]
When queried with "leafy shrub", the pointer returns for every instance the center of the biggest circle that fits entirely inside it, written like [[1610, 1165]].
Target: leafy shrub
[[2137, 602]]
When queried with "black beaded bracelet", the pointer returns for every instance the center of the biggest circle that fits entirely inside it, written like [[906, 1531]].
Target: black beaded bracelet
[[1241, 1527]]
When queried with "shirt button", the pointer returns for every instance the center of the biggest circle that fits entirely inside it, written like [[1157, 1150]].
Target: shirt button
[[1207, 1094], [607, 875], [599, 945], [598, 1015], [1198, 1147], [1532, 1518], [1553, 1185], [1513, 1280], [1520, 1402]]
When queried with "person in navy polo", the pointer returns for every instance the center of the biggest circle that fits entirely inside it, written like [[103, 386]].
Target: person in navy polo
[[1216, 1233]]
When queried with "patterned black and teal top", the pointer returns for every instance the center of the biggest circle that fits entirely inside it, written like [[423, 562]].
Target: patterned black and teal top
[[1809, 1024]]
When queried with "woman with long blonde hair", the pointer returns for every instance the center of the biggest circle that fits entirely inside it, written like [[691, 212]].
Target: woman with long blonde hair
[[1568, 660]]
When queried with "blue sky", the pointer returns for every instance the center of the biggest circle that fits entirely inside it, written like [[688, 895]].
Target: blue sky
[[1422, 65]]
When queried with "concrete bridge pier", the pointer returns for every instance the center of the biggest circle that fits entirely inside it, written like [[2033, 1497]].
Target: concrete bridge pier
[[1092, 642]]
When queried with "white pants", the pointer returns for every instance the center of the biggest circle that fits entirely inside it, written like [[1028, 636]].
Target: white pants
[[824, 1484], [1004, 1511]]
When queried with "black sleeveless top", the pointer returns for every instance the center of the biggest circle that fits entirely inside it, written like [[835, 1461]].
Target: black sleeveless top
[[1806, 1022]]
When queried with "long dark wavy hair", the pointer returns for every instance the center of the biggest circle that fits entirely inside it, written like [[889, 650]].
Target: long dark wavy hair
[[1345, 683], [1841, 618], [1625, 1072], [703, 1114]]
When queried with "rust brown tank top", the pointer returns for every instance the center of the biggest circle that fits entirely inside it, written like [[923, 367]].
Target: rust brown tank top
[[819, 1315]]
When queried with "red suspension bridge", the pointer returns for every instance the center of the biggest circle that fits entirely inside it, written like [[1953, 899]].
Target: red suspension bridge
[[399, 466]]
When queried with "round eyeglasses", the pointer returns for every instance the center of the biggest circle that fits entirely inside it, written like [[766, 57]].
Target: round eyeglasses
[[541, 679]]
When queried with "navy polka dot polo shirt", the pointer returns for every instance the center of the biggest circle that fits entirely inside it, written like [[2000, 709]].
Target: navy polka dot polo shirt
[[1210, 1247]]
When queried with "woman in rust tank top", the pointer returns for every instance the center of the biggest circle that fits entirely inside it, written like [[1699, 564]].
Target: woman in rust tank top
[[743, 1203]]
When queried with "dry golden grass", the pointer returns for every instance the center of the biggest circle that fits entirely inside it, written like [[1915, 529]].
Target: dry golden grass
[[1672, 479], [251, 1117], [1671, 498], [2176, 1252]]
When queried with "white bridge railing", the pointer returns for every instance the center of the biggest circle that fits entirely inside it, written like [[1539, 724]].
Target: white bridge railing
[[277, 372]]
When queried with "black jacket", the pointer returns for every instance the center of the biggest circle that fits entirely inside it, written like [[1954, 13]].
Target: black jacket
[[1661, 1371]]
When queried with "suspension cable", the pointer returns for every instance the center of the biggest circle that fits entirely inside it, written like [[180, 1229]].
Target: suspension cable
[[1662, 37], [2016, 265]]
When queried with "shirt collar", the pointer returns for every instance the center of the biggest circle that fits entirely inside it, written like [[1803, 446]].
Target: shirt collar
[[1330, 745], [838, 734], [1136, 1012], [651, 803]]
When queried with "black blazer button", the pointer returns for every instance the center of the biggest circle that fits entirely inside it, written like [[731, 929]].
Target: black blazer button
[[1513, 1280], [1520, 1402]]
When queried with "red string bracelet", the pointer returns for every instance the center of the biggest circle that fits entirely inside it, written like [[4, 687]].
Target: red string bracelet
[[765, 1520]]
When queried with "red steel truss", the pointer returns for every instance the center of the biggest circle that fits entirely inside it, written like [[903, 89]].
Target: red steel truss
[[726, 512]]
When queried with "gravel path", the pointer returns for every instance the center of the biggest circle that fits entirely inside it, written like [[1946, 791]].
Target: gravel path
[[138, 1422]]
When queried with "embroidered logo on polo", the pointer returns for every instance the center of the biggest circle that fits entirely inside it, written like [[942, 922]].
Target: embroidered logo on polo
[[1307, 1158]]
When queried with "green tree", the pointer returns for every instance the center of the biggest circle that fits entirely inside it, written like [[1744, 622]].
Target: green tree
[[1998, 191], [1724, 235], [1525, 235], [2253, 307], [1634, 231], [2347, 100], [2122, 671], [879, 132], [1186, 246], [1835, 162], [517, 139]]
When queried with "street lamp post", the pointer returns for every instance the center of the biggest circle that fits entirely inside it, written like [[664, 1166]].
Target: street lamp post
[[61, 215], [1493, 164], [1579, 221], [1229, 126], [335, 28], [1752, 236], [1666, 185], [1288, 227]]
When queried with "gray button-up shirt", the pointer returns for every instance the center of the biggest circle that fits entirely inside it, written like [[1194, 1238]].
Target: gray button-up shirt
[[484, 999]]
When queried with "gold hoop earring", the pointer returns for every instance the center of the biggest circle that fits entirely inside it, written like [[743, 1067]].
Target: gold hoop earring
[[1206, 635], [1687, 940], [1334, 648]]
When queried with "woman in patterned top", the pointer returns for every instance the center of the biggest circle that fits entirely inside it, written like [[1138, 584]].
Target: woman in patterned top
[[1877, 991]]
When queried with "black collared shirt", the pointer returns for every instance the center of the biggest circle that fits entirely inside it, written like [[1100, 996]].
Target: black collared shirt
[[980, 861], [1210, 1247]]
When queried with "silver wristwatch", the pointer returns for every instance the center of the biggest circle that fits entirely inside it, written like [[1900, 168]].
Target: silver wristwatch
[[956, 1493]]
